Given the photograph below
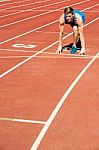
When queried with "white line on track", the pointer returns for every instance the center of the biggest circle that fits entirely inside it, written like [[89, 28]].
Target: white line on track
[[53, 57], [22, 120], [23, 1], [4, 1], [68, 56], [93, 11], [19, 50], [32, 56], [49, 32], [40, 10], [45, 52], [61, 102]]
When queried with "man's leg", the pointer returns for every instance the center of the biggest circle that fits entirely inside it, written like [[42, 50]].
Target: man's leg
[[75, 39], [75, 35]]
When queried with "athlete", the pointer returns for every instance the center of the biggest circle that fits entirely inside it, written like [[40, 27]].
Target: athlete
[[76, 19]]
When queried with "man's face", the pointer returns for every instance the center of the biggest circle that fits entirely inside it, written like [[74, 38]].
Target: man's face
[[69, 17]]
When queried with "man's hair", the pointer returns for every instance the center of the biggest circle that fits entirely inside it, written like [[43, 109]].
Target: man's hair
[[68, 10]]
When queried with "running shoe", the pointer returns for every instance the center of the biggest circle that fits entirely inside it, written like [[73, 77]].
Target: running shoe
[[73, 50]]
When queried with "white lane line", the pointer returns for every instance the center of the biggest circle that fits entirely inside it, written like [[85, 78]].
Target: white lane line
[[31, 51], [53, 57], [45, 52], [23, 1], [2, 26], [58, 107], [68, 56], [9, 57], [22, 120], [17, 50], [21, 63], [41, 10], [93, 11], [3, 1], [50, 32]]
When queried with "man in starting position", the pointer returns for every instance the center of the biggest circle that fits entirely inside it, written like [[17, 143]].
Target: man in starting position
[[76, 19]]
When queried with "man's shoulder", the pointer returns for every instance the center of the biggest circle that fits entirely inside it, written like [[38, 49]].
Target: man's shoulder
[[77, 11], [61, 19]]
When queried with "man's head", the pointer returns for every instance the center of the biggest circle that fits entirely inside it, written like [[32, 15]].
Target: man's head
[[68, 11]]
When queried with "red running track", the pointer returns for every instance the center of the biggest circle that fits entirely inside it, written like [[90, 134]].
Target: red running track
[[48, 101]]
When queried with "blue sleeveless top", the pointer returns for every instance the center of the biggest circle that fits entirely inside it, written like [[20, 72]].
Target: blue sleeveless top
[[74, 18]]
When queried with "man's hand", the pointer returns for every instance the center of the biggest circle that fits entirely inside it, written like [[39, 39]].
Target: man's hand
[[59, 50], [82, 52], [61, 28]]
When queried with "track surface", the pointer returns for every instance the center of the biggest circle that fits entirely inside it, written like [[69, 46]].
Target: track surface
[[48, 101]]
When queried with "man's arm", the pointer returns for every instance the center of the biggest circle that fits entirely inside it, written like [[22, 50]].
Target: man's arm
[[61, 28], [80, 28], [82, 39]]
